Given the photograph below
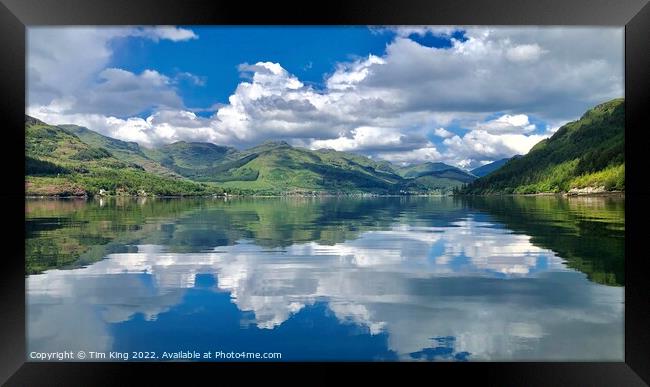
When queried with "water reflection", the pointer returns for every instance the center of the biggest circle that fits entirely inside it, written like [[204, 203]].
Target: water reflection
[[418, 279]]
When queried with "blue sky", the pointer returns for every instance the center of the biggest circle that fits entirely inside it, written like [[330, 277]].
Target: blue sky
[[309, 53], [461, 95]]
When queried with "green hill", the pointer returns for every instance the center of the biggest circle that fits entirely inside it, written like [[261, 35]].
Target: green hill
[[59, 163], [56, 147], [193, 155], [433, 176], [275, 167], [279, 167], [200, 161], [129, 152], [589, 152], [439, 170], [73, 160], [428, 183]]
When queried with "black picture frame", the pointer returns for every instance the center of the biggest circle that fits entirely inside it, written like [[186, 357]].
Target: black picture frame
[[15, 15]]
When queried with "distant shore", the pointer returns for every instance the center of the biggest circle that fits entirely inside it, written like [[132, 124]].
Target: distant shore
[[572, 195], [330, 195], [561, 194]]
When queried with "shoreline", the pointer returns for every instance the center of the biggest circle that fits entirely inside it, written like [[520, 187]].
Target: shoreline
[[559, 194], [228, 196]]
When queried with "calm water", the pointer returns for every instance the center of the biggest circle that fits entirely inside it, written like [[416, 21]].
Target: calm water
[[447, 279]]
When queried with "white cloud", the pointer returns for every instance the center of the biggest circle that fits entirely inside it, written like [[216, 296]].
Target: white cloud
[[408, 30], [524, 53], [118, 92], [175, 34], [72, 64], [363, 138], [442, 132], [61, 61], [418, 155], [269, 77], [507, 124], [163, 126], [477, 74], [382, 105], [123, 93], [477, 145], [348, 75]]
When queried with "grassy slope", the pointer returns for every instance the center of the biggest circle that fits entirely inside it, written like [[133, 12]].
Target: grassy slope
[[276, 167], [204, 162], [129, 152], [193, 155], [72, 160], [436, 170], [587, 152], [58, 163], [280, 167]]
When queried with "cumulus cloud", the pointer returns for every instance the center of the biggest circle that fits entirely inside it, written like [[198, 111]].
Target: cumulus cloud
[[72, 64], [524, 53], [156, 33], [478, 74], [397, 106], [161, 127], [348, 75], [364, 138], [442, 132], [507, 124], [117, 92], [408, 30], [476, 146], [121, 92], [427, 153]]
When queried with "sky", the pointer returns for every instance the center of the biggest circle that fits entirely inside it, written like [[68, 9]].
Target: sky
[[461, 95]]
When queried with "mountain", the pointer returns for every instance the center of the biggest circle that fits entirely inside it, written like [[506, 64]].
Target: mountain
[[280, 167], [129, 152], [73, 160], [60, 163], [586, 153], [55, 148], [433, 176], [276, 166], [438, 170], [192, 155], [491, 167], [199, 161]]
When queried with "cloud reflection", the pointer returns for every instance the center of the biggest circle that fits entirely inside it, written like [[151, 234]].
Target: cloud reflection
[[496, 294]]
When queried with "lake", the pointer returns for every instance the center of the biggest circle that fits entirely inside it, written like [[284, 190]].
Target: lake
[[362, 279]]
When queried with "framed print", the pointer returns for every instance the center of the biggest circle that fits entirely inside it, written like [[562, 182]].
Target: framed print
[[449, 187]]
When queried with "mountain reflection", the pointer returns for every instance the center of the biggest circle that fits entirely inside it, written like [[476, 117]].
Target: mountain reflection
[[436, 279]]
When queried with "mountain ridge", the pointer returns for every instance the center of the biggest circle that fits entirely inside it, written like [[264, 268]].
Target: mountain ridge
[[273, 167], [585, 154], [491, 167], [122, 150]]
